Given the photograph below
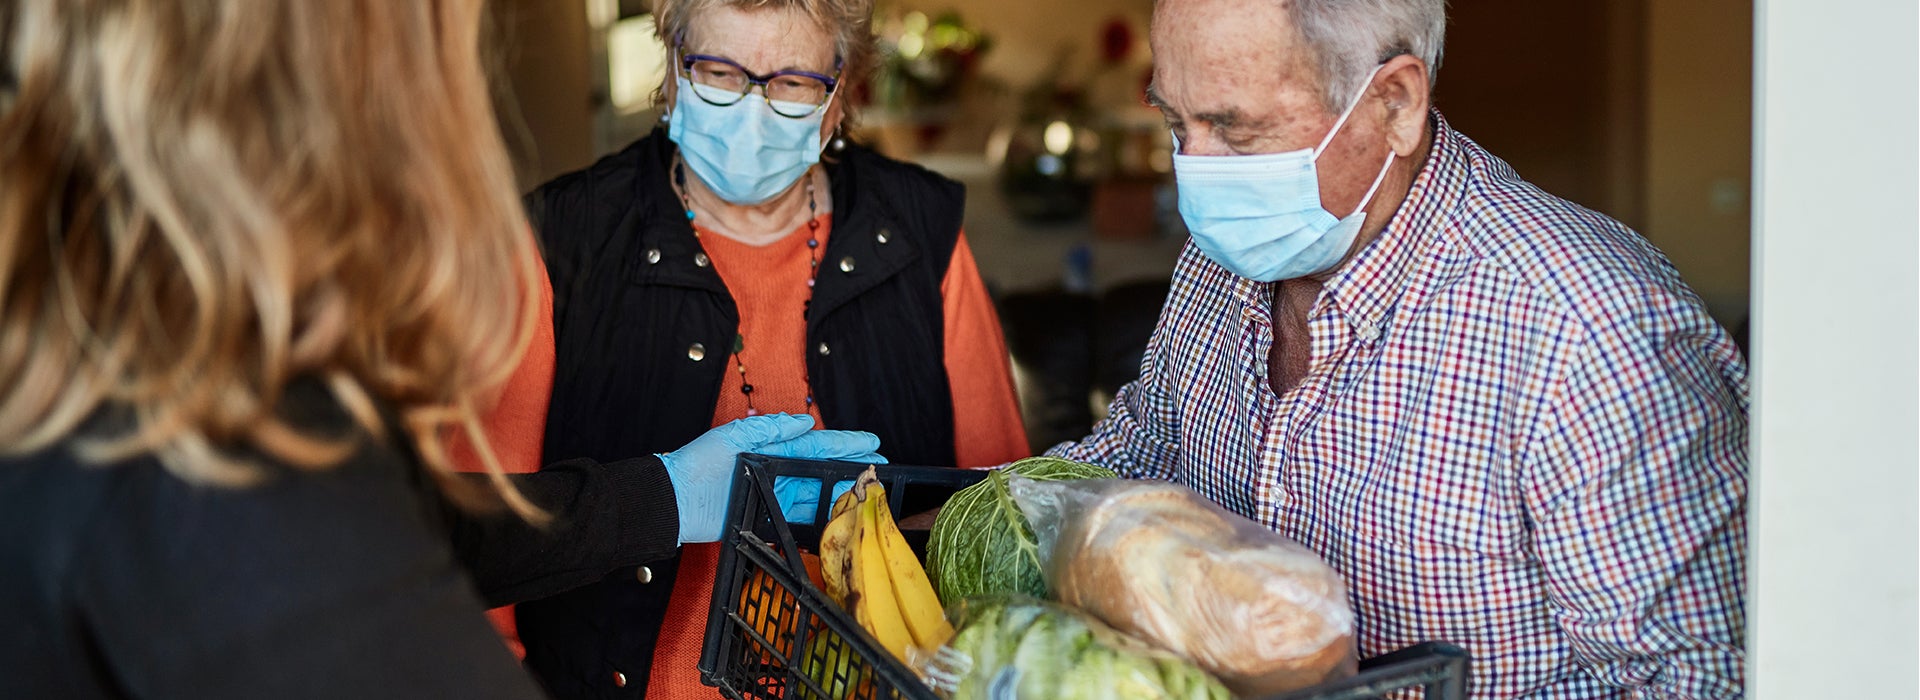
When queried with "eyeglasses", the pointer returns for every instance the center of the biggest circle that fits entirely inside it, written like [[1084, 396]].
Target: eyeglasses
[[790, 93]]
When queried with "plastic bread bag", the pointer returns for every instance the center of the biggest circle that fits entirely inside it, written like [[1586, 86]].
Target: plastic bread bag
[[1012, 647], [1158, 561]]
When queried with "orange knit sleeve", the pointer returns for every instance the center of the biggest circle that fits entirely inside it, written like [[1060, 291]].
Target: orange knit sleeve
[[986, 412]]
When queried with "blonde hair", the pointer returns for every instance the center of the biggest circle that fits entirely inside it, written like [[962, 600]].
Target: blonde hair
[[203, 200], [850, 23]]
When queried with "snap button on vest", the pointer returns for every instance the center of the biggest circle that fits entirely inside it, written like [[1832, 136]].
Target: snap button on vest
[[697, 352]]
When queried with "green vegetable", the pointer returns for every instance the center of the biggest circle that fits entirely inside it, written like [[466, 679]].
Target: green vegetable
[[981, 543], [1039, 656], [1030, 650], [833, 665]]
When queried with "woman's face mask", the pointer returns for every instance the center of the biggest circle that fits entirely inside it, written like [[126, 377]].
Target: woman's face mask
[[744, 152], [1260, 216]]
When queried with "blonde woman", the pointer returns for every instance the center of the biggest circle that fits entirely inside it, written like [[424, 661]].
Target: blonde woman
[[251, 255]]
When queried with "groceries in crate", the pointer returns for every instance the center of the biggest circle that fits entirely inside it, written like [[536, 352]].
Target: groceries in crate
[[840, 672], [1158, 561], [870, 571], [771, 609], [981, 544], [1012, 646], [1063, 582]]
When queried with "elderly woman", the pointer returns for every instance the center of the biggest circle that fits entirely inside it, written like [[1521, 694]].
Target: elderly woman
[[746, 258]]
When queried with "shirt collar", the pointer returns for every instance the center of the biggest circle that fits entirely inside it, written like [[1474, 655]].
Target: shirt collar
[[1369, 287]]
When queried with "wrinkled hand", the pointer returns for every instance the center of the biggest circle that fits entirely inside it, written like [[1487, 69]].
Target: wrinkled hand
[[702, 472]]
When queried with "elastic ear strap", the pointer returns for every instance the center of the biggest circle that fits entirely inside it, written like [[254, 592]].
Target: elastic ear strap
[[1351, 105], [831, 96], [1377, 179]]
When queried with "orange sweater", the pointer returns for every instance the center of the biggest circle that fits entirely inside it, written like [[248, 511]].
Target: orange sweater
[[768, 285]]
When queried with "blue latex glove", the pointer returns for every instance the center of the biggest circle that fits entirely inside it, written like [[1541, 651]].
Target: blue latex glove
[[702, 472], [800, 496]]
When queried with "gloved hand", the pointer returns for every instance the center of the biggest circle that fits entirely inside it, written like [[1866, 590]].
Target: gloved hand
[[702, 472], [800, 496]]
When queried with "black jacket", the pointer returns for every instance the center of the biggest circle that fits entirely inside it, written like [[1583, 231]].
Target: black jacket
[[631, 298], [357, 581]]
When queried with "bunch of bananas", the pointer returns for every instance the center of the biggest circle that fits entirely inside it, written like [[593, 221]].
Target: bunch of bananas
[[870, 571]]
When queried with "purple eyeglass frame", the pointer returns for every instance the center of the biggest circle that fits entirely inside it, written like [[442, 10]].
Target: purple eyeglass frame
[[688, 59]]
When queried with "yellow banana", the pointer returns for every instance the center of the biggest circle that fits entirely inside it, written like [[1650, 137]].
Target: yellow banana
[[918, 604], [839, 541], [847, 500], [875, 605]]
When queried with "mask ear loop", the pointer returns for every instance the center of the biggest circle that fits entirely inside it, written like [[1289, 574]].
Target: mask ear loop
[[1351, 105], [832, 138], [1377, 179]]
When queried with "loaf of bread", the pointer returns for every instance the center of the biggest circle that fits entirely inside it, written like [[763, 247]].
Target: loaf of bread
[[1163, 563]]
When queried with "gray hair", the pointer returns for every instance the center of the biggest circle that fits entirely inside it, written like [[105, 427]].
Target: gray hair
[[849, 21], [1348, 38]]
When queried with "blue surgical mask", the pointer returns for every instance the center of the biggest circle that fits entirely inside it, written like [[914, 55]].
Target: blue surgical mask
[[744, 152], [1260, 216]]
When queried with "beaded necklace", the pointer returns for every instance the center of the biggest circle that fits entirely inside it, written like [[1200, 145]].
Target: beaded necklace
[[813, 274]]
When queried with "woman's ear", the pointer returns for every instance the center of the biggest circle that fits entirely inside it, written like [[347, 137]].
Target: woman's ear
[[830, 123], [1405, 87]]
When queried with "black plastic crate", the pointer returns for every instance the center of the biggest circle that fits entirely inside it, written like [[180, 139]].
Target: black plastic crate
[[769, 626]]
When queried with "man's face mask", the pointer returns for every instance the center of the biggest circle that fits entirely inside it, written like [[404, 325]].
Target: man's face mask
[[1260, 216]]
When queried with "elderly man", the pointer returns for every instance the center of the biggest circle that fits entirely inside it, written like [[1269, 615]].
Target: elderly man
[[1502, 417]]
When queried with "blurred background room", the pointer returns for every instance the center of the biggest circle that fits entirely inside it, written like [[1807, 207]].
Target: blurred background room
[[1638, 109]]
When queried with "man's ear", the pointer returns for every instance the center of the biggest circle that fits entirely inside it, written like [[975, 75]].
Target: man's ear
[[1404, 87]]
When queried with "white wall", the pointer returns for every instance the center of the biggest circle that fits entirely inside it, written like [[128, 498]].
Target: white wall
[[1832, 594]]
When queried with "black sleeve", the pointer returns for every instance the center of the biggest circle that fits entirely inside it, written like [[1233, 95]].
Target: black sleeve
[[605, 516], [538, 217], [328, 583]]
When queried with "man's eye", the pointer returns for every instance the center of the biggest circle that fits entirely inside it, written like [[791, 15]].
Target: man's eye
[[1243, 142]]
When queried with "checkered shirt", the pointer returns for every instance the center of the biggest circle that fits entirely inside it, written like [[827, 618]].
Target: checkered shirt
[[1519, 433]]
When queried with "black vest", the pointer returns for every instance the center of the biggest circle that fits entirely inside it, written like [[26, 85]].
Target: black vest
[[642, 329]]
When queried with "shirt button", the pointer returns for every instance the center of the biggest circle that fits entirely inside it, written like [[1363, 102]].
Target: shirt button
[[1368, 332], [619, 679], [643, 575], [824, 350], [653, 256], [700, 260], [883, 236], [697, 352], [846, 264]]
